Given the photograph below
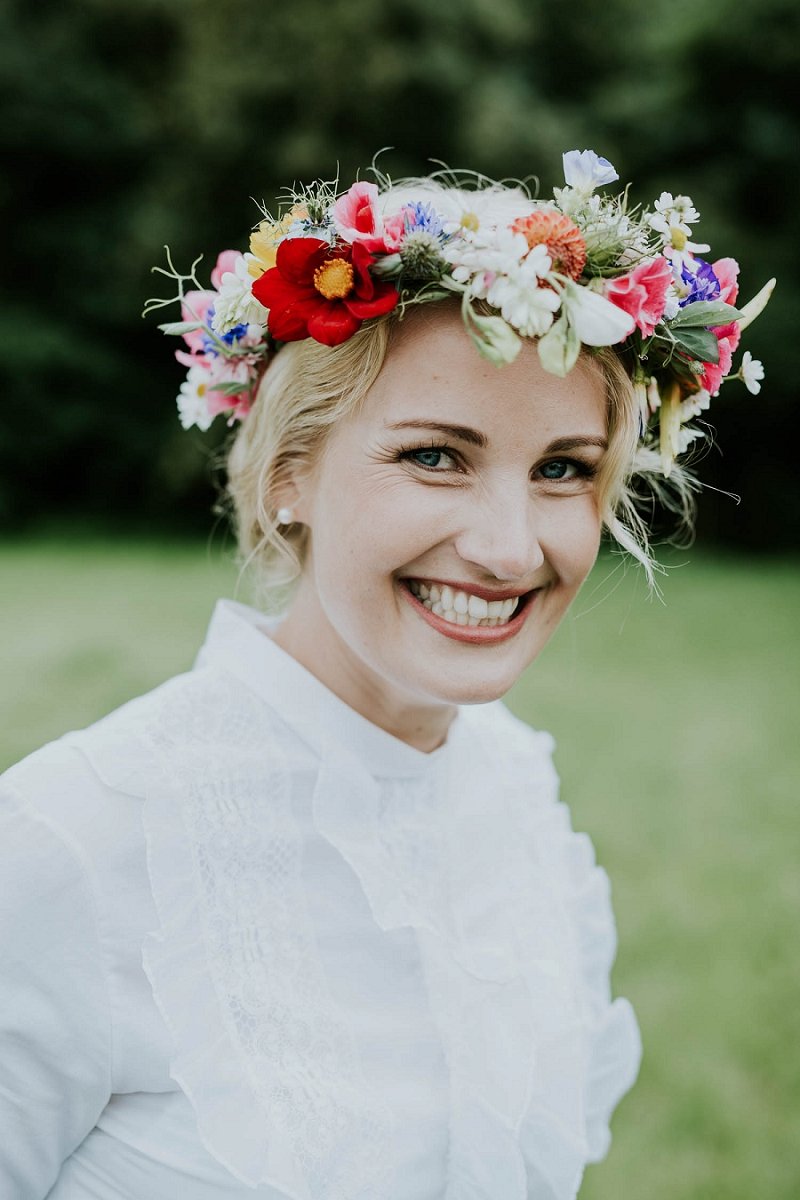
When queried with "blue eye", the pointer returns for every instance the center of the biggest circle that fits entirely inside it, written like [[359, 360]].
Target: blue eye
[[431, 458], [428, 458], [559, 468]]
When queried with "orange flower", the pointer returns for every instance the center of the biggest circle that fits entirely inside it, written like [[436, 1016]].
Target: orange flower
[[559, 234]]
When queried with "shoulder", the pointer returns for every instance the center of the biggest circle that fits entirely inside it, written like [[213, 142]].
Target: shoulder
[[89, 786], [72, 810]]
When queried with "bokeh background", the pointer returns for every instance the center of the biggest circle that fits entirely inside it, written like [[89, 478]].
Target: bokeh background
[[129, 124]]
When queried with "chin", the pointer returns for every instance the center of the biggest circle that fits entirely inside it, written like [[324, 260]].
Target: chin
[[474, 687]]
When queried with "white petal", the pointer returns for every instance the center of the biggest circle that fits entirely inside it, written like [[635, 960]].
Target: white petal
[[586, 170], [596, 320], [756, 306]]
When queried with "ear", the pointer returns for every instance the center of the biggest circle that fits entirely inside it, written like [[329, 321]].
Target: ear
[[293, 490]]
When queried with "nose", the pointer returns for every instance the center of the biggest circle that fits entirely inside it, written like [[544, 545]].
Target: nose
[[501, 535]]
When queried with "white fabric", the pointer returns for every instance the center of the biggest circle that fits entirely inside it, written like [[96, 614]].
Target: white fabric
[[254, 945]]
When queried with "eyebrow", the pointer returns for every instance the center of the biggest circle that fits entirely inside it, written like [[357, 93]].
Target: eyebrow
[[461, 432], [475, 438]]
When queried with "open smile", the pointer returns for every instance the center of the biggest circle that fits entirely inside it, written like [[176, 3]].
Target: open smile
[[478, 616]]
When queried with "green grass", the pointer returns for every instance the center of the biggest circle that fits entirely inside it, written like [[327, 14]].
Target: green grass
[[676, 727]]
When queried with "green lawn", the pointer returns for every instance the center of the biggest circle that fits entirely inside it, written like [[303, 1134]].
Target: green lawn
[[677, 740]]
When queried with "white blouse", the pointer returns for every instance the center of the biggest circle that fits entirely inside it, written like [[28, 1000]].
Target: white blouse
[[252, 944]]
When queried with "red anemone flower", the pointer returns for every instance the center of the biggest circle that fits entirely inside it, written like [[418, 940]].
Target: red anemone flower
[[320, 292]]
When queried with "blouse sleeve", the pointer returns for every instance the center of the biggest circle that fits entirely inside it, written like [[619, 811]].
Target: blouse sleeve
[[54, 1007]]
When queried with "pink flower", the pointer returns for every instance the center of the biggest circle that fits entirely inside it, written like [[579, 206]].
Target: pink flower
[[394, 230], [212, 372], [728, 340], [642, 293], [728, 336], [226, 261], [195, 306], [358, 219], [727, 272]]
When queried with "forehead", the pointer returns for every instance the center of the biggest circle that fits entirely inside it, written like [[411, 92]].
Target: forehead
[[433, 369]]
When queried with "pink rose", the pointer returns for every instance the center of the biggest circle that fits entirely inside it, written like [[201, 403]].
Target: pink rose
[[642, 293], [226, 261], [357, 218]]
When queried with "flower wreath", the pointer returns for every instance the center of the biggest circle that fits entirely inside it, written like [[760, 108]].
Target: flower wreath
[[578, 270]]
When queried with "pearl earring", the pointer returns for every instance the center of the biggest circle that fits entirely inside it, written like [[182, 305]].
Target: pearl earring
[[285, 516]]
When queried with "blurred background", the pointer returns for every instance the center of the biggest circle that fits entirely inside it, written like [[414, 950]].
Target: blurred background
[[134, 123], [130, 124]]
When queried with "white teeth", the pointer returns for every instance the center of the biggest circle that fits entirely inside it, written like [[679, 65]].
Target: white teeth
[[478, 607], [462, 608]]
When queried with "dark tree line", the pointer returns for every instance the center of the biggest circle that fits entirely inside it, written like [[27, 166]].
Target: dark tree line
[[134, 123]]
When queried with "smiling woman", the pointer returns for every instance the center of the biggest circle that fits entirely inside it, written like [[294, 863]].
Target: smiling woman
[[310, 921], [441, 479]]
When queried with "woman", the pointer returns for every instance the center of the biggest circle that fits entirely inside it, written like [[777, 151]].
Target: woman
[[310, 921]]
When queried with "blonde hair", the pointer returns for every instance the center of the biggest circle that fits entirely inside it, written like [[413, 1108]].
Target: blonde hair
[[308, 388]]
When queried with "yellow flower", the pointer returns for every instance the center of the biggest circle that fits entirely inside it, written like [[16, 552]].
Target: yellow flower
[[265, 239]]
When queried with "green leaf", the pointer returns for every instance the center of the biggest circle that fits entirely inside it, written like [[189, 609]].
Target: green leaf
[[559, 348], [230, 389], [705, 313], [701, 344], [181, 327]]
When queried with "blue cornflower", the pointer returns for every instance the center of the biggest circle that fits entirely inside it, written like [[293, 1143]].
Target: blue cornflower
[[423, 218], [233, 335], [701, 281]]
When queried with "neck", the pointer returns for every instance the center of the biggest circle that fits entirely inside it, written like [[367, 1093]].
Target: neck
[[422, 725]]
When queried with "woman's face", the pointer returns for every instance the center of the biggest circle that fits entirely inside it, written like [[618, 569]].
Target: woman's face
[[452, 520]]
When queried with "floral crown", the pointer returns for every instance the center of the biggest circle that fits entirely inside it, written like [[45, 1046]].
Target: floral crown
[[578, 270]]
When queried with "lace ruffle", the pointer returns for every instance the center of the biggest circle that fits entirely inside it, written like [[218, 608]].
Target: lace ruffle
[[515, 928], [263, 1054], [511, 915]]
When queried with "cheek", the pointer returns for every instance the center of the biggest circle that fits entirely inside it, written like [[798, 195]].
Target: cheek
[[574, 539]]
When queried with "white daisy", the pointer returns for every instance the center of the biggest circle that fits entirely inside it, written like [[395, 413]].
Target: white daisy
[[192, 406], [477, 257], [673, 219], [751, 372], [520, 298]]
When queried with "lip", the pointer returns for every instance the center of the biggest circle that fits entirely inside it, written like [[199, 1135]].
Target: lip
[[473, 589], [475, 635]]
